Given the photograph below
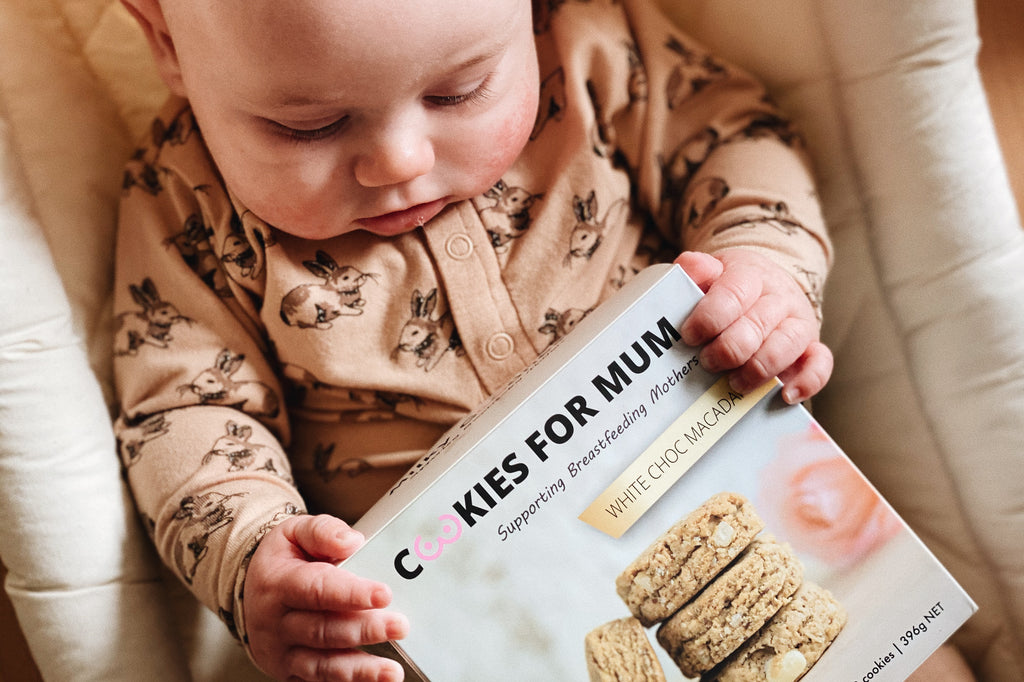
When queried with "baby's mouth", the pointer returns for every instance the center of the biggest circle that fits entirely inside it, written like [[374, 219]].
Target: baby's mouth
[[399, 222]]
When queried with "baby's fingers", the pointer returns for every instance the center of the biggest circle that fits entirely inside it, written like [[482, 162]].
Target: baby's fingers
[[326, 587], [702, 268], [741, 342], [725, 302], [322, 537], [782, 347], [808, 375], [312, 665], [326, 630]]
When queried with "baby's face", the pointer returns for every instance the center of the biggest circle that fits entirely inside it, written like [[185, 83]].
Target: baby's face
[[328, 116]]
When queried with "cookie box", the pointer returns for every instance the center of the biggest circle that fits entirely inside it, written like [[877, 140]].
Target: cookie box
[[617, 512]]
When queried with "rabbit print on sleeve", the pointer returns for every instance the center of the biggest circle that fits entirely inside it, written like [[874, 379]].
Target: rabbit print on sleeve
[[240, 452], [193, 243], [149, 326], [134, 435], [694, 72], [199, 518], [215, 386]]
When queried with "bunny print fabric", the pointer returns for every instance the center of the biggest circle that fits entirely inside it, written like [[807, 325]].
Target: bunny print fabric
[[261, 375]]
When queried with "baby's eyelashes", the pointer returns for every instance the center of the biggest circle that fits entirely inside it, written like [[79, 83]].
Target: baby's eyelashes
[[310, 134], [480, 93]]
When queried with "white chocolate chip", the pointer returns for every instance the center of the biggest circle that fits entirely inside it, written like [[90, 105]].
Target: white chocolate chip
[[723, 535], [785, 667]]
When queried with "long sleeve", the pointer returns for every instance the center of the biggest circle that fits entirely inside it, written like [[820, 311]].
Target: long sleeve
[[713, 160], [203, 427]]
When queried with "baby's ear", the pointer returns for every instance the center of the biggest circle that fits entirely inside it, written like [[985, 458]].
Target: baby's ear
[[150, 16]]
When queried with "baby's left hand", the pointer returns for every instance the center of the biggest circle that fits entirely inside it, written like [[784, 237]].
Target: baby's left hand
[[755, 322]]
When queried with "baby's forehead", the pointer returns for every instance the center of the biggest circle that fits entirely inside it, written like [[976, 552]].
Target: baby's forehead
[[257, 29], [333, 48], [325, 24], [211, 19], [368, 16]]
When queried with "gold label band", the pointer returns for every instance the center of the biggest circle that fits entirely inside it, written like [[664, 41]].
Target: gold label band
[[665, 461]]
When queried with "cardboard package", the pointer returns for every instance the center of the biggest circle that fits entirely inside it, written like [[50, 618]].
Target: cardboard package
[[512, 539]]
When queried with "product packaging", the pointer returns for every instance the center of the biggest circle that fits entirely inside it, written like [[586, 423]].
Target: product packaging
[[617, 510]]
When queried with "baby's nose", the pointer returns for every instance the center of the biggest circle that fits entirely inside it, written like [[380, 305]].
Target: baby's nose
[[394, 157]]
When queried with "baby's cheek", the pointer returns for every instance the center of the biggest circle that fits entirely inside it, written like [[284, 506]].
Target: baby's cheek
[[510, 136]]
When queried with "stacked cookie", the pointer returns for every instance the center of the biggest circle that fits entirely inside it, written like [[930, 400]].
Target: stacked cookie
[[619, 651], [731, 606]]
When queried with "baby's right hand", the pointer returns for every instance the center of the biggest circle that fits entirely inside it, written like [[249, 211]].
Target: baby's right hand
[[305, 616]]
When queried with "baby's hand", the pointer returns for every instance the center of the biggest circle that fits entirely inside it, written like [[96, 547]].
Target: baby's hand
[[756, 323], [305, 616]]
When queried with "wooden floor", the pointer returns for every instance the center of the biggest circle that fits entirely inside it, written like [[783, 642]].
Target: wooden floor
[[1002, 67], [15, 662]]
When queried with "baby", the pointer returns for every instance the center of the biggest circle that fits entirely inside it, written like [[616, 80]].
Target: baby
[[357, 219]]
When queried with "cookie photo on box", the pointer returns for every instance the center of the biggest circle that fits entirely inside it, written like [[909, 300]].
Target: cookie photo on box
[[729, 604], [732, 608], [789, 644], [620, 650], [685, 559]]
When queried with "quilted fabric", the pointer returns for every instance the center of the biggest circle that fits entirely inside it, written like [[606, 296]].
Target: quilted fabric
[[923, 309]]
